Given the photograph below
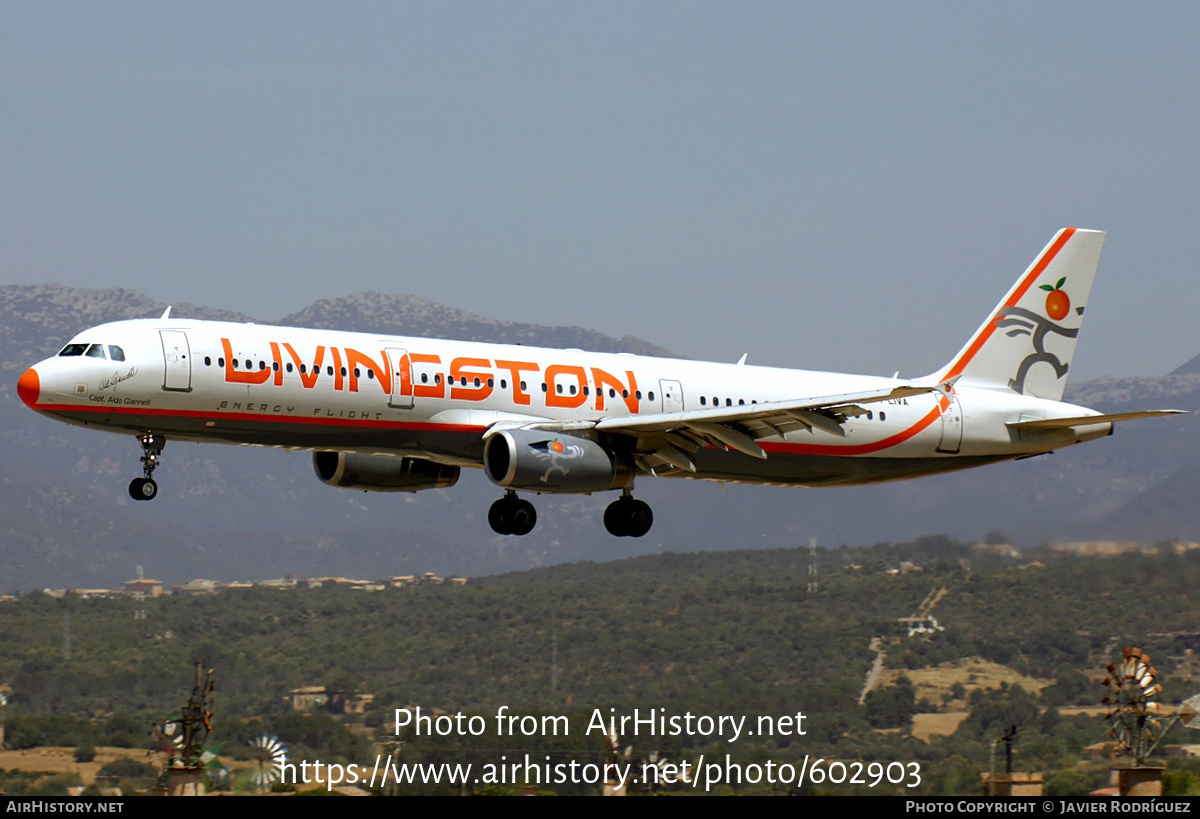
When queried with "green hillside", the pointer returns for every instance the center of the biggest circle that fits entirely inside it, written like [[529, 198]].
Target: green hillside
[[734, 634]]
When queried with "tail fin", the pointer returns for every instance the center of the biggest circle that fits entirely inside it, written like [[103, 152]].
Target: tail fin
[[1027, 343]]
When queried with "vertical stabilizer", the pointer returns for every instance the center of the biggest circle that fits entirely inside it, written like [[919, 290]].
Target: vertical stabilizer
[[1027, 343]]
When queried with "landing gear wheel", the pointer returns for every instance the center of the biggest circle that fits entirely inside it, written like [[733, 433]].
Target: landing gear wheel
[[143, 489], [614, 519], [524, 517], [641, 518], [512, 516], [499, 518], [628, 517]]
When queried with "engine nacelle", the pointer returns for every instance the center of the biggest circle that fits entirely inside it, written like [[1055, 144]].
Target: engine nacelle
[[542, 461], [382, 473]]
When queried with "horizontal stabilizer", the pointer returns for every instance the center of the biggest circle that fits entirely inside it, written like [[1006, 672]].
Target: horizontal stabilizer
[[1085, 420]]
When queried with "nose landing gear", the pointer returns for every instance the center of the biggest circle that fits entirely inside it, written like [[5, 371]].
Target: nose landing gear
[[628, 517], [512, 516], [144, 489]]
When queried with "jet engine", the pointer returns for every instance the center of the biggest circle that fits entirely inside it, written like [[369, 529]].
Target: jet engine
[[543, 461], [382, 473]]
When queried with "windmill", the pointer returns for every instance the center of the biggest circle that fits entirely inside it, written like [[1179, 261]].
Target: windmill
[[271, 756], [181, 742], [1135, 719]]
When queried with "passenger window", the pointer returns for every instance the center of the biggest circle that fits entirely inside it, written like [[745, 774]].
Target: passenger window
[[207, 361]]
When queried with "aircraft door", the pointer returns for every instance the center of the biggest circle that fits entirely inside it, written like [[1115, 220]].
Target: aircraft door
[[402, 391], [177, 360], [672, 395], [952, 426]]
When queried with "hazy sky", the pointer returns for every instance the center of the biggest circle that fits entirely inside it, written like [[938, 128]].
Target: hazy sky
[[845, 186]]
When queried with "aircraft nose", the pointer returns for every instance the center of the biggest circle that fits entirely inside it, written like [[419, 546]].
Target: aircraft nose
[[29, 386]]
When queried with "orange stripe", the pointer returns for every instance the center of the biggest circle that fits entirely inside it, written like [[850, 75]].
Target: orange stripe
[[986, 332]]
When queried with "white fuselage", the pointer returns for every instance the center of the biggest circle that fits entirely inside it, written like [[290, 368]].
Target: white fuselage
[[434, 399]]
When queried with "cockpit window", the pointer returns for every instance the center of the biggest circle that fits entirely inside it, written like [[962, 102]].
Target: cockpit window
[[116, 353], [95, 351], [73, 349]]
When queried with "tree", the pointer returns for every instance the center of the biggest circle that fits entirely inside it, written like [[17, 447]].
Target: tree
[[892, 707]]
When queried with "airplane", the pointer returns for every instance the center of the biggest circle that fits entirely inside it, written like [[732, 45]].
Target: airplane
[[386, 413]]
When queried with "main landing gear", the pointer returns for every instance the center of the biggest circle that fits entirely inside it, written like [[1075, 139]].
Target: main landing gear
[[512, 516], [144, 489], [624, 517], [628, 517]]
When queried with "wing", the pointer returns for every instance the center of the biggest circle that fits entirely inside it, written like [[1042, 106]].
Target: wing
[[666, 439]]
